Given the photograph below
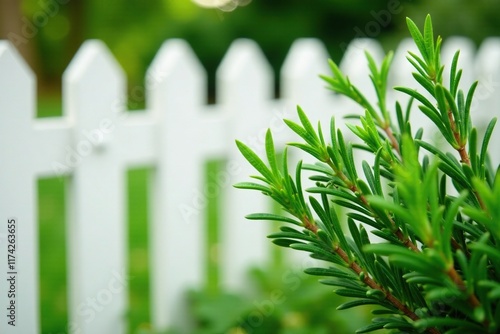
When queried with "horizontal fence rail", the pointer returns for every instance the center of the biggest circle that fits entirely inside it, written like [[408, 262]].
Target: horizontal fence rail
[[97, 140]]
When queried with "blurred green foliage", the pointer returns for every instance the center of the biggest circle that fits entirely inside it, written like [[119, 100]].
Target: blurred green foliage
[[135, 29], [52, 236], [277, 300], [475, 19]]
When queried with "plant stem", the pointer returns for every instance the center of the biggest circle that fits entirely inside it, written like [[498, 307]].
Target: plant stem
[[352, 186], [405, 240], [464, 156], [389, 296], [471, 298], [452, 273], [394, 142], [309, 225], [355, 267]]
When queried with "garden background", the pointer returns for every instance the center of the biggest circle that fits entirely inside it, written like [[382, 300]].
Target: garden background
[[134, 31]]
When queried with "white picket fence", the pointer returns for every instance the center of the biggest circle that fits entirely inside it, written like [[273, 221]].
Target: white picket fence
[[95, 141]]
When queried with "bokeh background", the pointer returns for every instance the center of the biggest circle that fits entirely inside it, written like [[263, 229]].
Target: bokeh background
[[49, 32]]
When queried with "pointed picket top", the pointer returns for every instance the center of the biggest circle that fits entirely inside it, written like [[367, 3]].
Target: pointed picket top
[[305, 62], [17, 84], [355, 65], [401, 70], [95, 99], [488, 73], [355, 55], [17, 186], [465, 61], [301, 83], [92, 57], [489, 48], [244, 89], [11, 62], [244, 73], [176, 70], [176, 95], [488, 67], [93, 77]]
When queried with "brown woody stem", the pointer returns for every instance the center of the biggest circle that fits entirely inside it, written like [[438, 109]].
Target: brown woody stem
[[374, 285], [471, 298], [462, 151], [396, 230], [394, 142], [368, 280]]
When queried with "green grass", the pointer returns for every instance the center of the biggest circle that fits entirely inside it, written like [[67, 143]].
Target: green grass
[[138, 259], [212, 217], [52, 245]]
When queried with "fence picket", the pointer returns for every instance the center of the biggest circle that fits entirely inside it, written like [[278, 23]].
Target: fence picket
[[245, 90], [300, 81], [94, 91], [179, 199], [17, 194], [465, 60]]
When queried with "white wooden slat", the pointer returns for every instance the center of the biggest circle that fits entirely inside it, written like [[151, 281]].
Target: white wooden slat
[[138, 146], [94, 86], [401, 70], [301, 85], [244, 88], [487, 95], [17, 192], [355, 65], [214, 122], [300, 81], [180, 198], [465, 61], [52, 138]]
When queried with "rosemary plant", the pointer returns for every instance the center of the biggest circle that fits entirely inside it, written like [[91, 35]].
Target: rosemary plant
[[438, 269]]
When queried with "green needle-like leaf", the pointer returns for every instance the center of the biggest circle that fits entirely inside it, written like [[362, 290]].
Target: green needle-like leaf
[[418, 38], [271, 154], [255, 161], [436, 268]]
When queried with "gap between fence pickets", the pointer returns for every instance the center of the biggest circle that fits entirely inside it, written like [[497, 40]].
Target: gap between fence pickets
[[96, 141]]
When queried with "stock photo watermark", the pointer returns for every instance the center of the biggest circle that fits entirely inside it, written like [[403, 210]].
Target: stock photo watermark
[[12, 272]]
